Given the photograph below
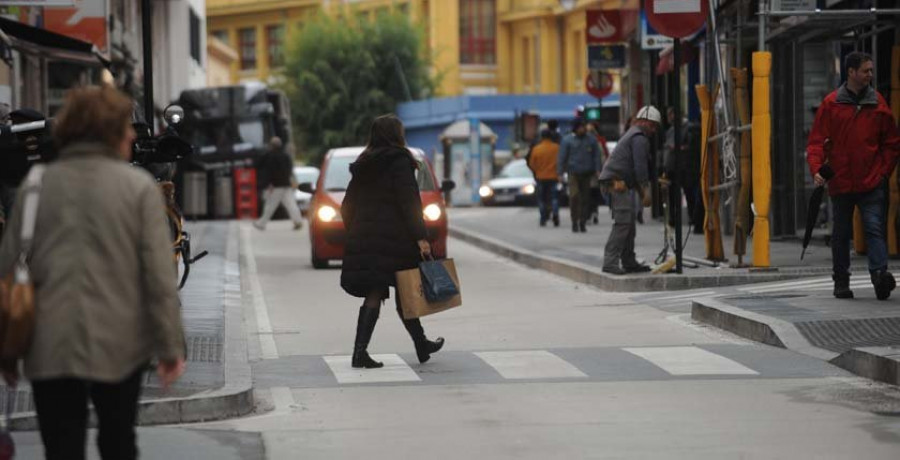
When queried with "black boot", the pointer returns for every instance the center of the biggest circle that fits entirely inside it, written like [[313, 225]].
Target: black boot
[[842, 286], [884, 283], [424, 347], [365, 324]]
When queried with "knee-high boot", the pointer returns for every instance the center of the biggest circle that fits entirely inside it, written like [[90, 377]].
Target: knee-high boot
[[424, 347], [365, 325]]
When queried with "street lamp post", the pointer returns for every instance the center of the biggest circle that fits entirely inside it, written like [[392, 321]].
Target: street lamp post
[[147, 36]]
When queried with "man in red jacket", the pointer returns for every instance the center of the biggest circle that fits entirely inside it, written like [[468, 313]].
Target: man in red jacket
[[855, 136]]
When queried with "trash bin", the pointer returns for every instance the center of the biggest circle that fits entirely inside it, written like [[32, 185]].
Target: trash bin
[[223, 198], [195, 203]]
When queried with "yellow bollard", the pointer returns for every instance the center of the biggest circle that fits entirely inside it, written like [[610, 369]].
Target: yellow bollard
[[762, 163], [709, 169], [859, 232], [742, 206]]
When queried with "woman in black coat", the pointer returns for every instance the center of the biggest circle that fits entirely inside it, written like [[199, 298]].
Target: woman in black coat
[[382, 213]]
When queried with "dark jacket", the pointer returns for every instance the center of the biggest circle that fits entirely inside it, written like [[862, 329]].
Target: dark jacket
[[579, 155], [276, 167], [382, 212], [865, 140], [629, 160]]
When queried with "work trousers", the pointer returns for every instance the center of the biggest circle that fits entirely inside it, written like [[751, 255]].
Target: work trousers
[[580, 197], [62, 411], [548, 199], [620, 245], [872, 207], [283, 196]]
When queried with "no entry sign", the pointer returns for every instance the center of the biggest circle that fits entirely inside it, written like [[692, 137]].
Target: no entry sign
[[599, 84], [676, 18]]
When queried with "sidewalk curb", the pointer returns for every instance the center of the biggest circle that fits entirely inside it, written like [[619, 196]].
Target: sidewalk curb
[[583, 273], [233, 399], [876, 363]]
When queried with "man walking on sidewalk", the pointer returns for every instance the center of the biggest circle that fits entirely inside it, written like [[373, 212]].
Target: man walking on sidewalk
[[579, 156], [542, 162], [627, 177], [277, 167], [855, 136]]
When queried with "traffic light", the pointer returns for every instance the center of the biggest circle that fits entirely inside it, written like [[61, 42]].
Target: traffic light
[[527, 126], [592, 112]]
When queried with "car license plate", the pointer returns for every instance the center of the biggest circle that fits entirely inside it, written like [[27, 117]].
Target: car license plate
[[505, 198]]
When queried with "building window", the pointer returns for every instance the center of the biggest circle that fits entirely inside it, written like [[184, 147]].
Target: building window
[[526, 62], [221, 35], [477, 32], [195, 37], [247, 46], [580, 57], [275, 45], [403, 8]]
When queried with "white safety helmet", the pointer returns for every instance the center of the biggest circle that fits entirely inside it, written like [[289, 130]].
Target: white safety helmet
[[648, 112]]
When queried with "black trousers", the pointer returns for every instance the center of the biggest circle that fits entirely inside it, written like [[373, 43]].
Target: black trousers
[[62, 410]]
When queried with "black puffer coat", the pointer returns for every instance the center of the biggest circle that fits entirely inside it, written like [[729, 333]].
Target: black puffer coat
[[382, 213]]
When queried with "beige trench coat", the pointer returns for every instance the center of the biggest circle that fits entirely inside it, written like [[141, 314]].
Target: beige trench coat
[[101, 261]]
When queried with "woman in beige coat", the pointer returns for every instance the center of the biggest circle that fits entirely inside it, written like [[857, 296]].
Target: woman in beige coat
[[101, 262]]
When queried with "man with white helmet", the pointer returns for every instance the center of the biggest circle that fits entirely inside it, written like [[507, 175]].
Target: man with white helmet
[[626, 175]]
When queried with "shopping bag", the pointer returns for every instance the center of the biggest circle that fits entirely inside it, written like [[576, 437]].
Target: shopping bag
[[411, 293], [437, 285]]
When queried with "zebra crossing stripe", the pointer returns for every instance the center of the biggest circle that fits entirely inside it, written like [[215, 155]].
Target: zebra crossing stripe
[[535, 364], [788, 285], [682, 296], [395, 370], [690, 361]]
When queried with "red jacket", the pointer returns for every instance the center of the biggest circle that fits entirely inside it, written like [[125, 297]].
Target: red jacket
[[865, 141]]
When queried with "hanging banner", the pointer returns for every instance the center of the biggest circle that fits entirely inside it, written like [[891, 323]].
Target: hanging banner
[[610, 26], [606, 57], [85, 20]]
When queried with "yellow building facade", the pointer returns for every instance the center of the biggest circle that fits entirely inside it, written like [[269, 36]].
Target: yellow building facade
[[477, 46]]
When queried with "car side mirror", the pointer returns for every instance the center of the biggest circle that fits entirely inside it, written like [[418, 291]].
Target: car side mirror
[[447, 185], [306, 187]]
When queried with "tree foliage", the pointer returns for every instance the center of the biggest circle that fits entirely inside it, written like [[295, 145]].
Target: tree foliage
[[342, 72]]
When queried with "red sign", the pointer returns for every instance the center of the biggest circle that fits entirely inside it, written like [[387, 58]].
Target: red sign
[[676, 18], [610, 26], [599, 84], [86, 21]]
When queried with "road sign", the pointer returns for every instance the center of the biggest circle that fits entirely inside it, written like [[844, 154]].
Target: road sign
[[651, 39], [610, 26], [793, 5], [606, 57], [86, 21], [599, 84], [676, 18]]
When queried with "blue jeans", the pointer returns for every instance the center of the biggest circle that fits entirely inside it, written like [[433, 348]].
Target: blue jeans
[[548, 199], [872, 206]]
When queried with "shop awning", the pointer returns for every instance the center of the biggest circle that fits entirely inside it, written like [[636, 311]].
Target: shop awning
[[33, 40]]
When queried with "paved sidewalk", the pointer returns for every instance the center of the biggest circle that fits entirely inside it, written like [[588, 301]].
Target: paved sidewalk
[[216, 383], [515, 233], [861, 335]]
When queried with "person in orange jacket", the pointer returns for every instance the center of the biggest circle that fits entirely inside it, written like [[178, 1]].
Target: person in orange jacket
[[854, 134], [542, 162]]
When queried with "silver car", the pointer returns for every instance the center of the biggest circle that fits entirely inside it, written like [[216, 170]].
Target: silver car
[[304, 174]]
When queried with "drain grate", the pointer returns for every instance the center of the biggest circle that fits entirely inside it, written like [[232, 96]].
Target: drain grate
[[20, 400], [204, 349], [842, 335]]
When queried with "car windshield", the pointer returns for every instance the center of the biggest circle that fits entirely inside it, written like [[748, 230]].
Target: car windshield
[[337, 176], [515, 169]]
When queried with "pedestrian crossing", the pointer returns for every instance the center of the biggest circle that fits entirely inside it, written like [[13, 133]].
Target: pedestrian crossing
[[720, 361]]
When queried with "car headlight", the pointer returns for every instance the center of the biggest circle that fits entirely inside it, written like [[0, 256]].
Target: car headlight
[[326, 213], [528, 189], [432, 212], [485, 191]]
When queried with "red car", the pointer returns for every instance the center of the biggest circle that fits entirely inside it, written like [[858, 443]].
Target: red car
[[326, 230]]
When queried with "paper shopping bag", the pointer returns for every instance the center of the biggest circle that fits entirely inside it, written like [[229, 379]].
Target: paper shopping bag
[[412, 295]]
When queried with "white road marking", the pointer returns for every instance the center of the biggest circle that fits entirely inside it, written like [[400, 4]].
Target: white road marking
[[395, 370], [690, 361], [790, 288], [679, 297], [537, 364], [283, 399], [268, 349], [789, 284]]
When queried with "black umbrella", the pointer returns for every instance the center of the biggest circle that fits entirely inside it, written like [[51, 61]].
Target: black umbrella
[[815, 202]]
